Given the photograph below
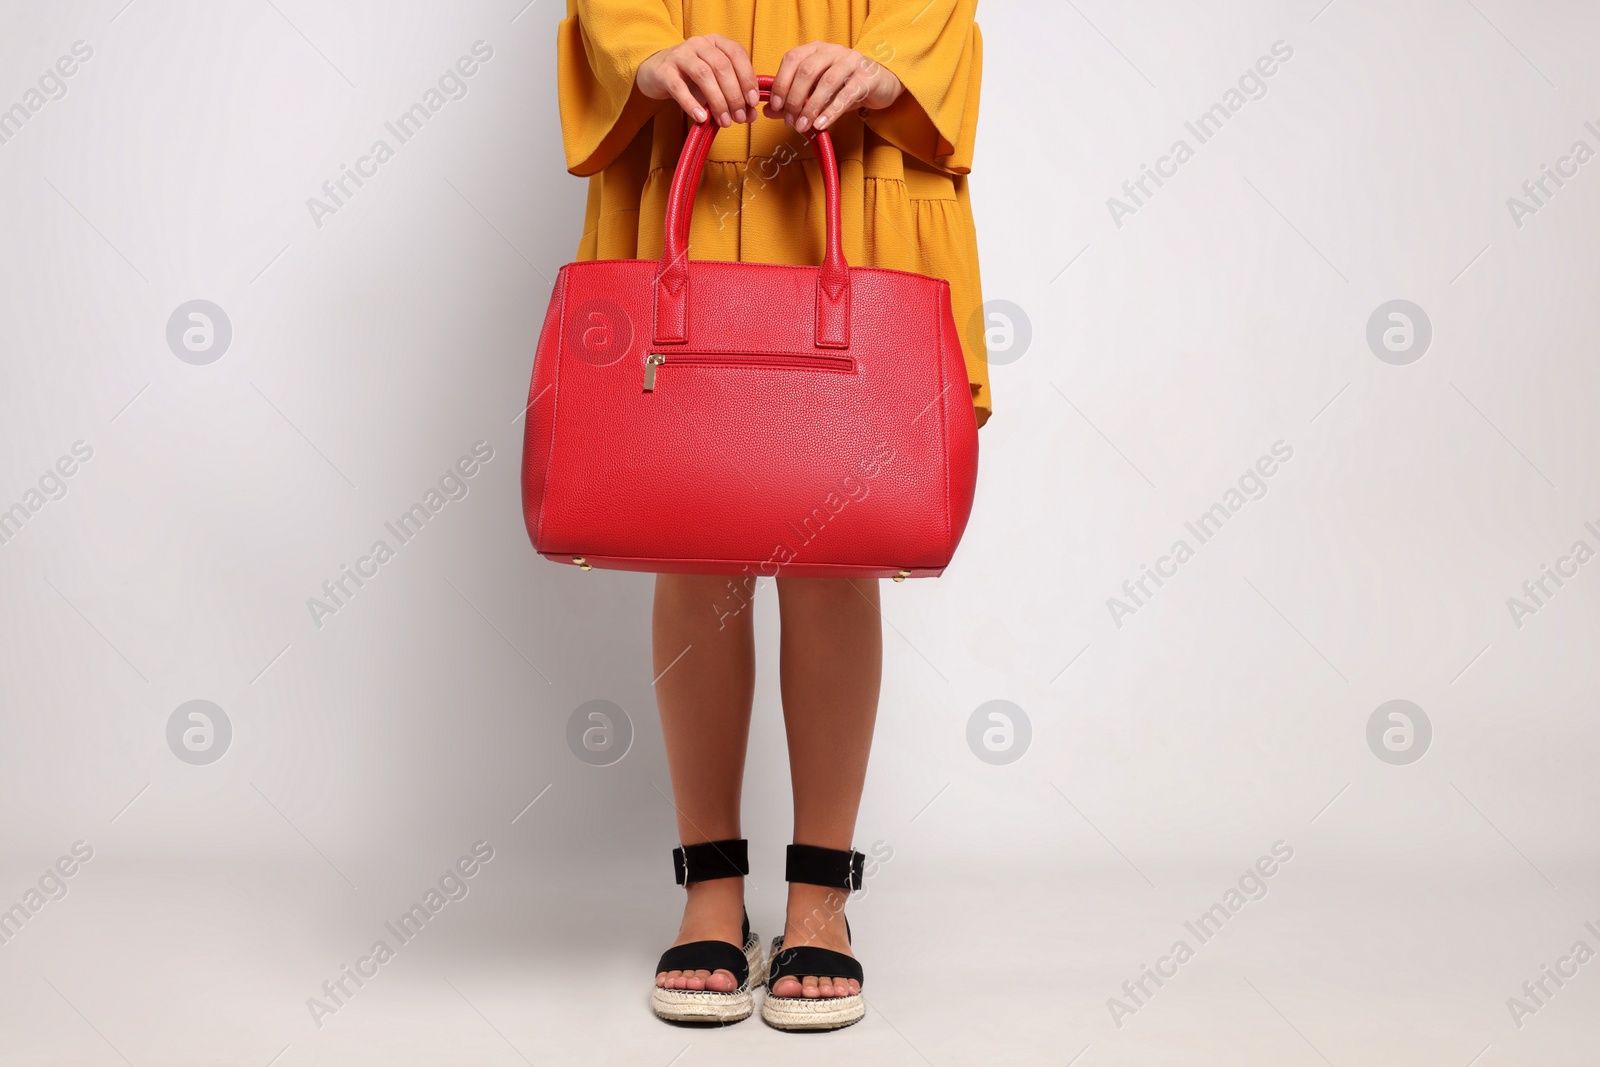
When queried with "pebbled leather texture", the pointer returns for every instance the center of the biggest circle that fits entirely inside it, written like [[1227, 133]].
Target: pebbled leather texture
[[801, 421]]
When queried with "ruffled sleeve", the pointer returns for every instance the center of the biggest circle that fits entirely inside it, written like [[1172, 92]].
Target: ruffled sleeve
[[937, 53], [599, 47]]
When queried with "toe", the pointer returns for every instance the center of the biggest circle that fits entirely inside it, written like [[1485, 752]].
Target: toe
[[824, 986], [697, 979], [786, 987], [721, 981], [855, 987], [809, 986], [661, 980]]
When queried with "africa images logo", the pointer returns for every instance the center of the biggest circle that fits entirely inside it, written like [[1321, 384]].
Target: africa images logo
[[1252, 485], [453, 885], [1251, 85], [452, 85], [453, 485], [52, 86]]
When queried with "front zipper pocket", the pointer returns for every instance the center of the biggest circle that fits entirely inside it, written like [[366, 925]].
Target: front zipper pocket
[[789, 361]]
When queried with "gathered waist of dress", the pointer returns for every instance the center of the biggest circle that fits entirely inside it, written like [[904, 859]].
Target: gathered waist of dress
[[769, 145]]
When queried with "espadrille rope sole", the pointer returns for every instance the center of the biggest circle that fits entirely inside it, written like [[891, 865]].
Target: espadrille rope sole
[[706, 1006], [837, 869], [812, 1013]]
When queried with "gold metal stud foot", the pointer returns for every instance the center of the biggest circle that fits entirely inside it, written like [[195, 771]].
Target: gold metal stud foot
[[902, 576], [583, 565]]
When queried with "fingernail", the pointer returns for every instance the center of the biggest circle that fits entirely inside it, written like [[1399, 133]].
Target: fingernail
[[754, 97], [739, 115], [822, 123], [725, 120], [775, 102], [802, 124], [699, 114]]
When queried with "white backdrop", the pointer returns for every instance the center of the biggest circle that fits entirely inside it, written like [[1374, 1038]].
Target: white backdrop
[[1156, 743]]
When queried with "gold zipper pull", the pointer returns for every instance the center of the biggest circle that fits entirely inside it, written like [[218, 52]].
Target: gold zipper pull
[[652, 361]]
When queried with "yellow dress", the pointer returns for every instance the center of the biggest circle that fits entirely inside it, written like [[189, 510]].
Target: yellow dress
[[902, 169]]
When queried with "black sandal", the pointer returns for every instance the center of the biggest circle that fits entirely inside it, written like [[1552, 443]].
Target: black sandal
[[702, 863], [836, 869]]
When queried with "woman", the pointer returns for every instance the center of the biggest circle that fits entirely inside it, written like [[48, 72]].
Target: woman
[[895, 83]]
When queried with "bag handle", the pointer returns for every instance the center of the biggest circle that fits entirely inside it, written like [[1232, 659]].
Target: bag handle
[[672, 280]]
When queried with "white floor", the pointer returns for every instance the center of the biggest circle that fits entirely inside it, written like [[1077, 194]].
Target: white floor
[[175, 963]]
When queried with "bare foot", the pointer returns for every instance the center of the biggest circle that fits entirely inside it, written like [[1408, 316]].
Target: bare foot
[[815, 917], [714, 911]]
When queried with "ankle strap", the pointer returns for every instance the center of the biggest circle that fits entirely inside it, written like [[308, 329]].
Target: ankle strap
[[832, 867], [712, 859]]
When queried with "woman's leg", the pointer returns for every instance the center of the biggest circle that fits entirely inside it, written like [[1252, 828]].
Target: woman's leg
[[830, 668], [703, 646]]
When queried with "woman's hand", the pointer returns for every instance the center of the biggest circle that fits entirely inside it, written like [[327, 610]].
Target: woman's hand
[[708, 72], [818, 82]]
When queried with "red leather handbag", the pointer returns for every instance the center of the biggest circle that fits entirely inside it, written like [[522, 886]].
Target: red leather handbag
[[705, 417]]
